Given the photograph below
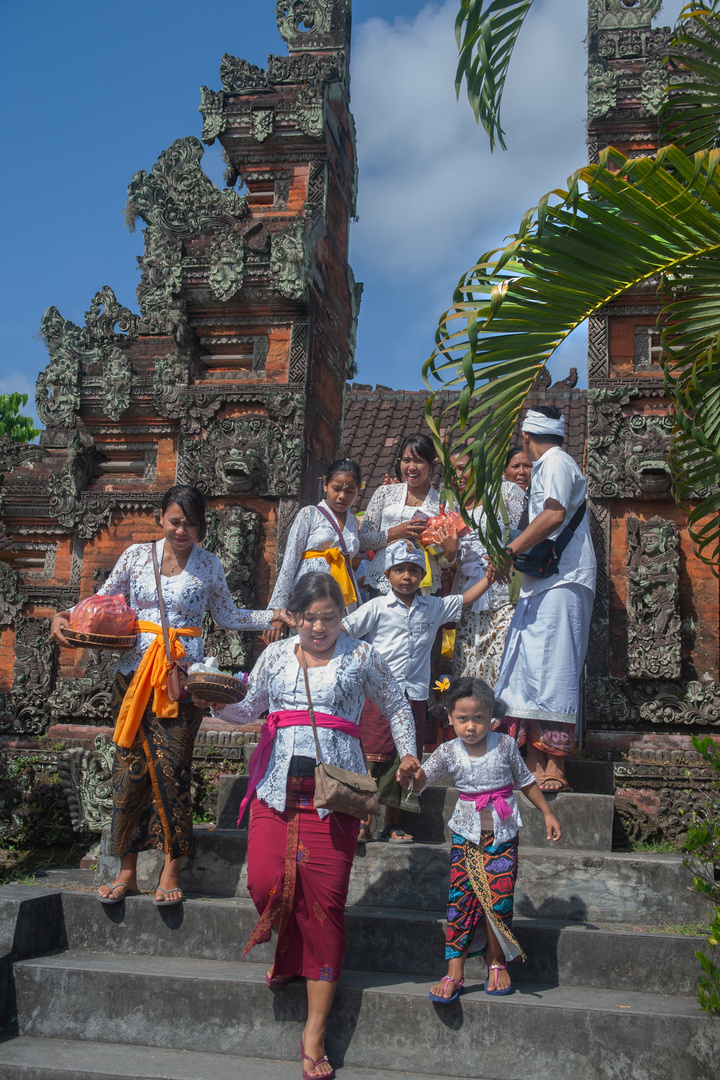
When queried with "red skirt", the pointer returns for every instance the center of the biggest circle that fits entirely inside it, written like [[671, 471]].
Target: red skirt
[[298, 872]]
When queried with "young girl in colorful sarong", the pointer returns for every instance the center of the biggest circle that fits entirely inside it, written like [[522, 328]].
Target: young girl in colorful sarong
[[485, 766], [323, 539]]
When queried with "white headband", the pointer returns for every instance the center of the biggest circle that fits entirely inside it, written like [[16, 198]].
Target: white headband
[[536, 423]]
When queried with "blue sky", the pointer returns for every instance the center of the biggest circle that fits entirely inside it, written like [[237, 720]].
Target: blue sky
[[93, 92]]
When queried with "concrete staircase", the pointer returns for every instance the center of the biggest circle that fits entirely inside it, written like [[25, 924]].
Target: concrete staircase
[[135, 991]]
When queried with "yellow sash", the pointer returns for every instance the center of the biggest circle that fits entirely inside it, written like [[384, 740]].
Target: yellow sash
[[338, 569], [427, 580], [151, 675]]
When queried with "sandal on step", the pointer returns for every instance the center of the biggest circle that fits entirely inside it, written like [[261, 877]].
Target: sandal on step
[[550, 778], [365, 835], [168, 903], [277, 982], [401, 837], [306, 1057], [496, 992], [108, 900], [453, 997]]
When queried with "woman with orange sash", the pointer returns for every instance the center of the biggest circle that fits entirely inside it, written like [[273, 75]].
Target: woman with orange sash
[[323, 539], [299, 858], [152, 803]]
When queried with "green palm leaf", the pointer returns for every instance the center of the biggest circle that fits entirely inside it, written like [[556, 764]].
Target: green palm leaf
[[691, 115], [486, 35], [574, 253]]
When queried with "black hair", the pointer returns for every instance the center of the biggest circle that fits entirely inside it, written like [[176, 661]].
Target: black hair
[[511, 454], [345, 465], [423, 447], [192, 503], [552, 413], [477, 690], [315, 586]]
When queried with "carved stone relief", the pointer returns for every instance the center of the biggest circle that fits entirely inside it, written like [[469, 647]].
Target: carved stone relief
[[624, 703], [313, 24], [159, 287], [263, 122], [33, 676], [227, 265], [653, 602], [211, 107], [117, 383], [12, 596], [287, 512], [289, 258], [86, 778], [655, 80], [602, 90], [233, 535], [627, 455], [299, 350], [598, 653], [174, 397], [88, 698]]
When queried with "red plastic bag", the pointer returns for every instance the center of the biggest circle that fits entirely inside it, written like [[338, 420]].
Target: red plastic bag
[[445, 519], [104, 615]]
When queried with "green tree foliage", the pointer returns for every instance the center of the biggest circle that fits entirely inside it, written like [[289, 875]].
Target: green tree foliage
[[20, 428]]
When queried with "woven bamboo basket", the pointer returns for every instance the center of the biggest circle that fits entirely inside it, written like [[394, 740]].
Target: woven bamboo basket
[[221, 689], [79, 639]]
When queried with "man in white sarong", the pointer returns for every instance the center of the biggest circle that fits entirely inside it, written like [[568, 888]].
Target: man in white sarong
[[547, 640]]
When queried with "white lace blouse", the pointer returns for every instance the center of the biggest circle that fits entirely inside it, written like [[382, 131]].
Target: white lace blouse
[[201, 585], [356, 671], [387, 508], [471, 566], [500, 766], [311, 531]]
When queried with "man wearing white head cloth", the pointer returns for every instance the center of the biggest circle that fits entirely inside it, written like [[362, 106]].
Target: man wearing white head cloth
[[547, 640]]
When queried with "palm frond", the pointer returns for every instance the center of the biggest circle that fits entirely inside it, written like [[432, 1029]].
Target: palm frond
[[486, 34], [573, 253], [690, 116]]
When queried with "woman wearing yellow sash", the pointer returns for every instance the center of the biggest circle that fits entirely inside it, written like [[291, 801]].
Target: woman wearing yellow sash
[[152, 803], [323, 539]]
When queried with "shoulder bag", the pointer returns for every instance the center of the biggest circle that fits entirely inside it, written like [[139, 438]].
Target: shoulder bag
[[340, 790], [177, 669], [542, 560]]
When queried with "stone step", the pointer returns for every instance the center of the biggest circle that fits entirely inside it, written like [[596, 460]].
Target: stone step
[[220, 1007], [587, 820], [389, 940], [67, 1059], [580, 886], [584, 775]]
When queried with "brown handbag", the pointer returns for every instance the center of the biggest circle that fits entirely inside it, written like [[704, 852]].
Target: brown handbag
[[340, 790], [177, 671]]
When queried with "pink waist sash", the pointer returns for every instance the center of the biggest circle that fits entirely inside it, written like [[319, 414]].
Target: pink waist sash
[[498, 798], [286, 718]]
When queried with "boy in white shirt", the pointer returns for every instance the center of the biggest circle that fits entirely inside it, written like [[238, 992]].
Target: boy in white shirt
[[402, 626]]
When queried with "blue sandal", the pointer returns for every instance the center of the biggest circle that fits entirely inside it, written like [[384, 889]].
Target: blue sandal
[[496, 992], [453, 997]]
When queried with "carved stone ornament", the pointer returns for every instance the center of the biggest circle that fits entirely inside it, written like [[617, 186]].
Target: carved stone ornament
[[237, 75], [14, 455], [263, 122], [175, 398], [86, 778], [314, 24], [653, 602], [310, 111], [233, 535], [65, 487], [655, 78], [617, 14], [161, 281], [227, 265], [12, 596], [177, 196], [211, 107], [117, 383], [253, 455], [625, 703], [627, 454], [289, 259], [33, 676], [602, 91]]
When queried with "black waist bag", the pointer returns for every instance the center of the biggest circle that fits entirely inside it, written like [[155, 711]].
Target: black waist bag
[[543, 560]]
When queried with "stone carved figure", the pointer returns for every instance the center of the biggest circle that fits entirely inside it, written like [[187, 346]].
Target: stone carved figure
[[88, 698], [117, 383], [174, 397], [33, 675], [233, 535], [159, 287], [289, 258], [211, 107], [602, 90], [86, 778], [227, 265], [12, 595], [653, 604], [627, 454]]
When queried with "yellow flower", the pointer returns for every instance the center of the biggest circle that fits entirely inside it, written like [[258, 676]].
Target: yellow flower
[[442, 685]]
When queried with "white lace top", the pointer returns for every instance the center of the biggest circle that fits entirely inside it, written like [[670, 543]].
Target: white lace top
[[387, 508], [500, 765], [201, 585], [356, 671], [311, 531], [471, 553]]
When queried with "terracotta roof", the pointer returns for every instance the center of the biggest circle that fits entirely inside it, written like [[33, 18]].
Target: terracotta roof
[[377, 419]]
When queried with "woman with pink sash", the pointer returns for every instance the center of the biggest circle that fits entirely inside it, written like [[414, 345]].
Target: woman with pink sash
[[299, 858]]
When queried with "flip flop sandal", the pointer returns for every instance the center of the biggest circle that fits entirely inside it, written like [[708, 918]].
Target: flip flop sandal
[[306, 1057], [497, 993], [453, 997], [365, 835], [549, 778], [110, 900], [386, 837], [277, 982], [168, 903]]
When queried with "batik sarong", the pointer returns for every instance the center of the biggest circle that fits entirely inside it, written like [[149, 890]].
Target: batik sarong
[[479, 643], [298, 872], [152, 799], [482, 884], [556, 739]]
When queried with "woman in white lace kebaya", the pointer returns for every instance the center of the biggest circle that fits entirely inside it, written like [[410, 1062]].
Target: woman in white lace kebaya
[[391, 510], [480, 636], [323, 539], [299, 858], [485, 767], [152, 803]]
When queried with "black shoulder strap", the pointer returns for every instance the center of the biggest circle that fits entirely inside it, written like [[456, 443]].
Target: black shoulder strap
[[567, 534]]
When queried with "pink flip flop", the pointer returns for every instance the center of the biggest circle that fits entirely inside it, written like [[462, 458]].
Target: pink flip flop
[[453, 997], [496, 992], [306, 1057]]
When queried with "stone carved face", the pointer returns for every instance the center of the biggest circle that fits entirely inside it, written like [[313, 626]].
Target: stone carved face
[[647, 462], [241, 468]]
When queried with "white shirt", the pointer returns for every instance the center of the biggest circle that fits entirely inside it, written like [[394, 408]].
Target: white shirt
[[405, 635], [201, 585], [556, 476], [471, 565], [355, 672], [311, 531], [500, 766], [387, 508]]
